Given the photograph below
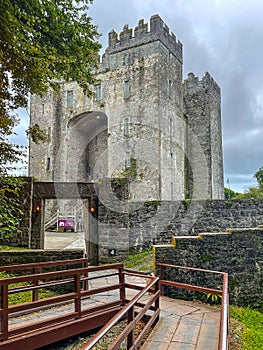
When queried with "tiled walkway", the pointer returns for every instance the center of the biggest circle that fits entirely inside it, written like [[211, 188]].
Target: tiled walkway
[[185, 325]]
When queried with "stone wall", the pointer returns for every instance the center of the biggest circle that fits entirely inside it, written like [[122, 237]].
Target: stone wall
[[239, 253], [141, 225], [18, 257]]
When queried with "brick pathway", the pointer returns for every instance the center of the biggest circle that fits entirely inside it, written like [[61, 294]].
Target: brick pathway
[[185, 325]]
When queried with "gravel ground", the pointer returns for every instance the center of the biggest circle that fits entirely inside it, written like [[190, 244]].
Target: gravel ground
[[235, 332], [75, 343]]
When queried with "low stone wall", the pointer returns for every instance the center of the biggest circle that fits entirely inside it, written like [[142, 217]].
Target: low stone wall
[[140, 225], [18, 257], [239, 252]]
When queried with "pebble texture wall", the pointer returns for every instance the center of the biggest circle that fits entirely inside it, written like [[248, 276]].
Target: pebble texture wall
[[18, 257], [239, 253], [143, 224]]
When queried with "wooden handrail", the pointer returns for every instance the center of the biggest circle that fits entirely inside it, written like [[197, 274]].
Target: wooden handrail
[[129, 310], [78, 277]]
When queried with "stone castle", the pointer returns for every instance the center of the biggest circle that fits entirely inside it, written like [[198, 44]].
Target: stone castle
[[143, 123]]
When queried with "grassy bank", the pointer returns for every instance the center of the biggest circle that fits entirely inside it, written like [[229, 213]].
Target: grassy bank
[[251, 331]]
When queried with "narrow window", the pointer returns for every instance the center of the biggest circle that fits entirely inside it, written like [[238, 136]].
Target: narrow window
[[126, 60], [96, 140], [126, 88], [171, 127], [170, 88], [49, 133], [48, 163], [70, 101], [170, 58], [97, 92], [43, 108], [127, 160], [126, 126]]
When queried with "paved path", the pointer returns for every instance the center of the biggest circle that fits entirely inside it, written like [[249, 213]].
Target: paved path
[[64, 240], [185, 325]]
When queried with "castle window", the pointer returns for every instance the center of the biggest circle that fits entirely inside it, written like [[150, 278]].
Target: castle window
[[171, 127], [48, 164], [126, 88], [170, 88], [49, 133], [127, 160], [70, 98], [126, 126], [43, 108], [97, 89], [96, 140], [170, 58], [126, 60]]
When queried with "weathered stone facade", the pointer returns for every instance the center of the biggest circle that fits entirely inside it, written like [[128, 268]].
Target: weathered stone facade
[[142, 114], [140, 225], [18, 257], [239, 253]]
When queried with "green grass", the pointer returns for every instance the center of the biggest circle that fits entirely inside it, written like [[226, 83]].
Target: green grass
[[6, 247], [23, 297], [140, 261], [252, 335]]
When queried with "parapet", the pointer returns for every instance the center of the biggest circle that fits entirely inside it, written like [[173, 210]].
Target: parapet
[[141, 34], [206, 84]]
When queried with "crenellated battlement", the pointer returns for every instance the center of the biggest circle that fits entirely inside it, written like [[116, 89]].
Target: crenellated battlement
[[192, 84], [141, 34]]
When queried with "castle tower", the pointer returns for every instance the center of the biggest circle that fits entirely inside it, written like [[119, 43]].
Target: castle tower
[[204, 166], [135, 124]]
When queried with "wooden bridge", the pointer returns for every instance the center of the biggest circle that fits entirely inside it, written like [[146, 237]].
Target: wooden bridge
[[93, 297]]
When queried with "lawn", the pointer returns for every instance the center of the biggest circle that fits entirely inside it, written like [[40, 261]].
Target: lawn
[[23, 297]]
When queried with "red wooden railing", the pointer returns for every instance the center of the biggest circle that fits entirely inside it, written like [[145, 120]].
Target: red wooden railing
[[224, 318], [132, 319], [42, 331]]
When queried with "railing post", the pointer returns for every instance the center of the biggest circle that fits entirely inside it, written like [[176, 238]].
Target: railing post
[[130, 337], [157, 301], [86, 274], [223, 332], [122, 283], [4, 316], [78, 295], [35, 291], [161, 278]]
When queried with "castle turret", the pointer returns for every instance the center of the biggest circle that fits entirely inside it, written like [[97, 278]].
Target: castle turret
[[202, 109]]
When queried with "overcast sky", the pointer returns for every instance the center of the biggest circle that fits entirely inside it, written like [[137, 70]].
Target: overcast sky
[[225, 38]]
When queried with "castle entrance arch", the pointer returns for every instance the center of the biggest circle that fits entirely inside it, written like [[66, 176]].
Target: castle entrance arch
[[87, 140], [87, 192]]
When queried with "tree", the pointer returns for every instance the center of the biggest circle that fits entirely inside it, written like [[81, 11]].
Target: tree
[[41, 43], [259, 177], [229, 194]]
